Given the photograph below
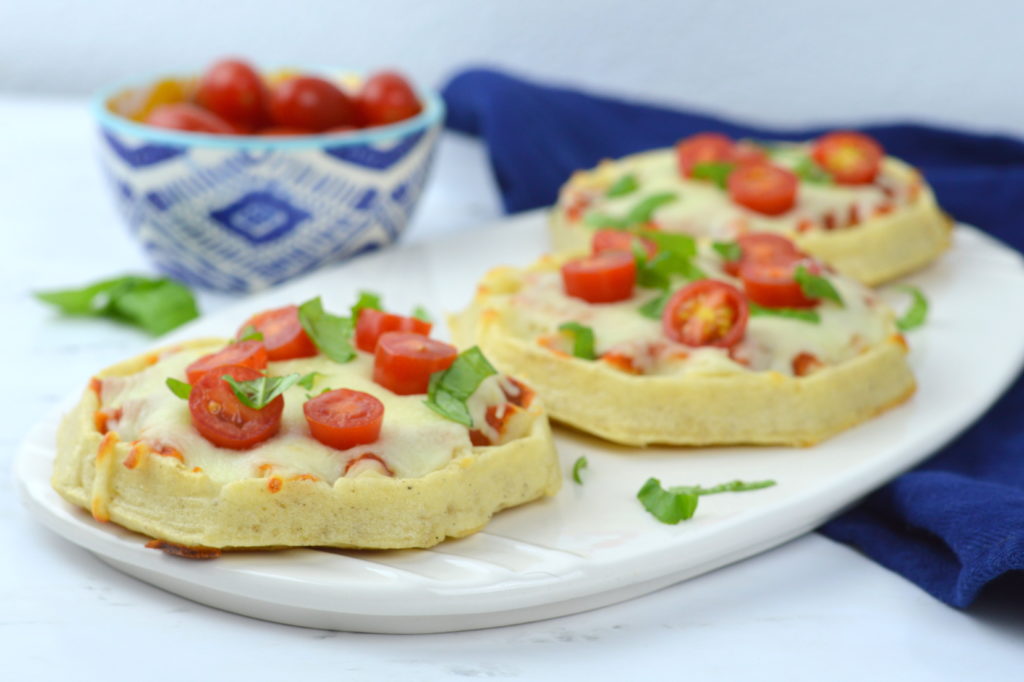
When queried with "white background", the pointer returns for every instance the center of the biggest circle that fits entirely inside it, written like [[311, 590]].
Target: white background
[[785, 62]]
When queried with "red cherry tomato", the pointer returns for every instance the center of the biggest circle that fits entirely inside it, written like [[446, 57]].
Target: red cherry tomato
[[764, 188], [702, 148], [372, 323], [763, 247], [852, 158], [283, 335], [772, 284], [404, 361], [252, 354], [386, 98], [185, 116], [747, 152], [604, 277], [311, 103], [284, 131], [706, 313], [608, 239], [234, 91], [344, 418], [221, 418]]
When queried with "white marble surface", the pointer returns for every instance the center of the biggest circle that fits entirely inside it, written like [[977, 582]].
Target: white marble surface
[[810, 610]]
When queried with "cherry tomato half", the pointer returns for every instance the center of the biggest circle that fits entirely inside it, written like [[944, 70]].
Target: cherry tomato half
[[185, 116], [763, 187], [773, 284], [344, 418], [404, 361], [386, 97], [763, 247], [234, 91], [702, 148], [221, 418], [600, 278], [252, 354], [852, 158], [284, 131], [706, 313], [608, 239], [310, 103], [372, 323], [283, 335]]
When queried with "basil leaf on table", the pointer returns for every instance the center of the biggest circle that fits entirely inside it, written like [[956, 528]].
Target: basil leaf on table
[[679, 503], [577, 468], [917, 314]]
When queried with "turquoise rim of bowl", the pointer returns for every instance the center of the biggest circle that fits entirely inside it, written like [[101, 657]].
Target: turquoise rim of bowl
[[432, 113]]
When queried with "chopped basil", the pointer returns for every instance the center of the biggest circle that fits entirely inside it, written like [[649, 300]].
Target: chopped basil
[[450, 389], [310, 396], [816, 286], [657, 272], [578, 466], [680, 502], [623, 186], [420, 313], [715, 171], [601, 220], [656, 306], [802, 314], [809, 171], [917, 313], [582, 339], [729, 251], [249, 333], [367, 299], [155, 305], [308, 380], [642, 211], [331, 334], [680, 244], [258, 393], [179, 388]]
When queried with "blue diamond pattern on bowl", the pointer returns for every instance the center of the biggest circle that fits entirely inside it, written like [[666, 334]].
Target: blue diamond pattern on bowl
[[260, 217]]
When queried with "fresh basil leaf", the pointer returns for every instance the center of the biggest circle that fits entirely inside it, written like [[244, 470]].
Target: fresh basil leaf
[[307, 380], [155, 305], [656, 306], [327, 389], [716, 171], [450, 389], [258, 393], [801, 314], [623, 186], [807, 170], [680, 244], [332, 334], [816, 286], [729, 251], [421, 313], [657, 272], [917, 313], [577, 467], [367, 299], [179, 388], [642, 211], [249, 333], [680, 502], [602, 220], [582, 339]]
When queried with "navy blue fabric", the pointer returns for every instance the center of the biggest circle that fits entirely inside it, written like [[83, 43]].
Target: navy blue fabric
[[957, 522]]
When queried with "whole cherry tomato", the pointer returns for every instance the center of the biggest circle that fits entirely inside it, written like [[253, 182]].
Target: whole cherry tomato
[[386, 98], [311, 103], [234, 91], [185, 116]]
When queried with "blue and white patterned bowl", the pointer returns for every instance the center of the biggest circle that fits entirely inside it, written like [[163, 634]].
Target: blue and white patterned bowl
[[241, 213]]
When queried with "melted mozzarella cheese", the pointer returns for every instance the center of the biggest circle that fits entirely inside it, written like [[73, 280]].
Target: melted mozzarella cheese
[[414, 440]]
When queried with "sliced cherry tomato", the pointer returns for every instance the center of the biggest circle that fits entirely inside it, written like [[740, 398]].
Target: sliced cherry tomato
[[772, 283], [344, 418], [221, 418], [608, 239], [372, 323], [601, 278], [252, 354], [234, 91], [386, 97], [185, 116], [763, 247], [283, 335], [747, 152], [763, 187], [404, 361], [706, 313], [702, 148], [852, 158], [311, 103]]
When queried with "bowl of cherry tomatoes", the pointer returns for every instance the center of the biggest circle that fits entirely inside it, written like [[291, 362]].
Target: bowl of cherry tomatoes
[[236, 180]]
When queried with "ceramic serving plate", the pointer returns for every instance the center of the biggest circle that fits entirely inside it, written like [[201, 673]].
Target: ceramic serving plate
[[593, 544]]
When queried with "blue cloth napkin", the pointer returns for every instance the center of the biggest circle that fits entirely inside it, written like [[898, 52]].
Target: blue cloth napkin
[[954, 524]]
